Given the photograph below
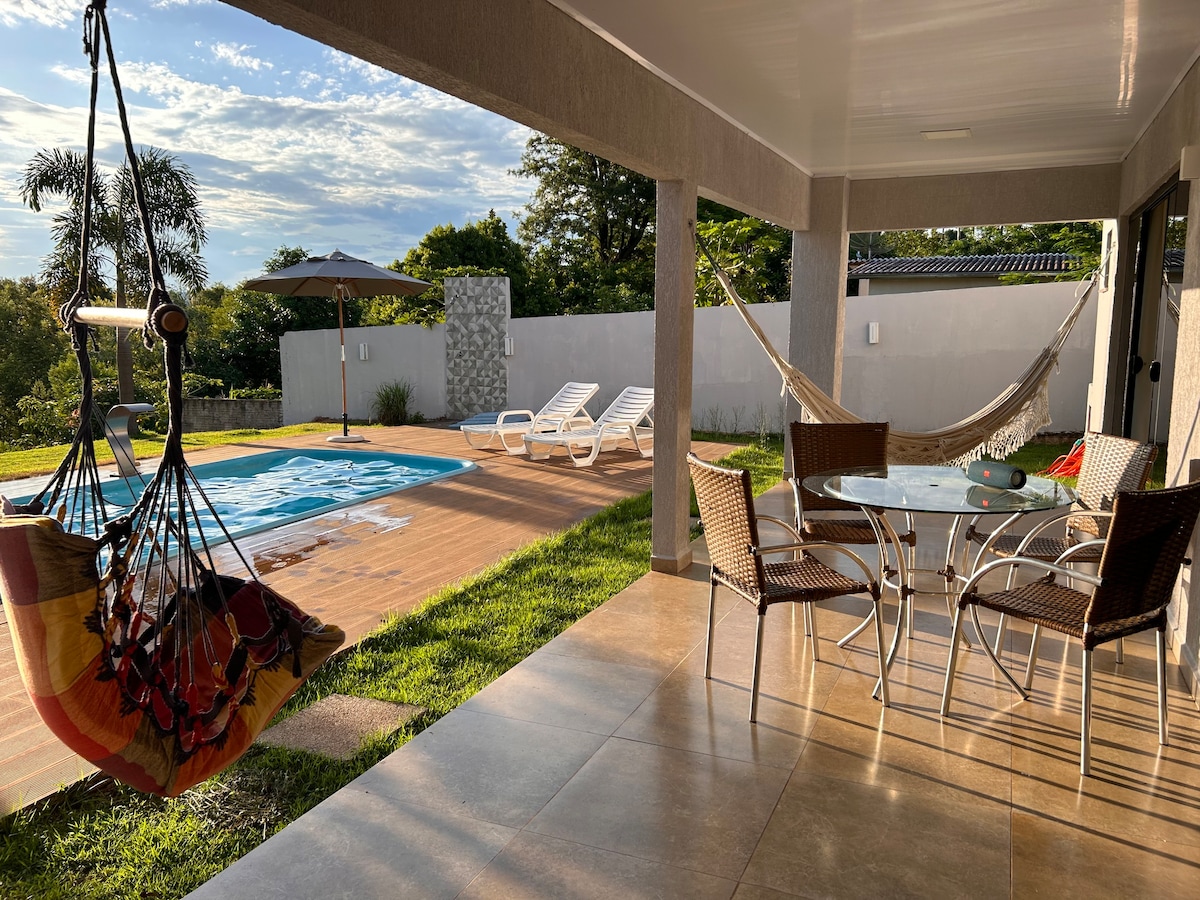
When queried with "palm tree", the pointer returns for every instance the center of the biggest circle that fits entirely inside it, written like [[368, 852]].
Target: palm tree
[[118, 242]]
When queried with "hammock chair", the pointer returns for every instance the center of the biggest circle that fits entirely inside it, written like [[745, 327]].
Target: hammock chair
[[1001, 427], [136, 652]]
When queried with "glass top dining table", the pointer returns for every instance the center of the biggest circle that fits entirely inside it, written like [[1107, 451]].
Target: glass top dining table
[[944, 490], [935, 489]]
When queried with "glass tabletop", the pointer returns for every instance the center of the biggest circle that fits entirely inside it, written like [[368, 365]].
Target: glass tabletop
[[935, 489]]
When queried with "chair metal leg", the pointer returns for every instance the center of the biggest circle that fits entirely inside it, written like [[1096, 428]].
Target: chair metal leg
[[1002, 625], [1034, 643], [995, 660], [1120, 648], [1160, 643], [1001, 630], [952, 662], [1085, 728], [883, 682], [712, 614], [811, 614], [757, 669], [855, 632], [806, 612]]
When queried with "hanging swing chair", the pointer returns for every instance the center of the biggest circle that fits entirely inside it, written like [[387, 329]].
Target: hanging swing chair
[[137, 653]]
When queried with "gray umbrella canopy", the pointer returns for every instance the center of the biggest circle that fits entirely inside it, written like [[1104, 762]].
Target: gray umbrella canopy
[[337, 275], [341, 276]]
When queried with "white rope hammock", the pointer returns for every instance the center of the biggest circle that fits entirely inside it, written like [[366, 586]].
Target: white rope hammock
[[1001, 427]]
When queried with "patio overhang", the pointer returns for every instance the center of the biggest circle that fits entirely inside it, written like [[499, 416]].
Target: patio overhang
[[817, 116]]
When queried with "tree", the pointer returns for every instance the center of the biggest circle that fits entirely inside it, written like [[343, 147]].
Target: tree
[[118, 242], [478, 248], [32, 343], [589, 228], [755, 254], [870, 245]]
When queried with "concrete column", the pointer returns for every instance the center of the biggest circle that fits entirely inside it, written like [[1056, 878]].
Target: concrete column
[[819, 290], [674, 313], [1183, 446], [1103, 391]]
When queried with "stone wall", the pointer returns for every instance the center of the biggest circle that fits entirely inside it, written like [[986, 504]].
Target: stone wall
[[207, 414]]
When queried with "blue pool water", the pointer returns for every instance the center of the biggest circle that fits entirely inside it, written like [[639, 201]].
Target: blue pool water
[[266, 490]]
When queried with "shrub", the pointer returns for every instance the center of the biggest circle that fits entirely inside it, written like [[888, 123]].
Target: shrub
[[197, 385], [266, 392], [42, 422], [392, 404]]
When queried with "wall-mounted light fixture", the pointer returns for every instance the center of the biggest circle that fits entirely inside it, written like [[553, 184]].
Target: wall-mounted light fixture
[[508, 346], [363, 353], [872, 332], [1189, 163]]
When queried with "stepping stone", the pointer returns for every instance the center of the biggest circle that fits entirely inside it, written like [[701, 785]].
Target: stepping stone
[[337, 725]]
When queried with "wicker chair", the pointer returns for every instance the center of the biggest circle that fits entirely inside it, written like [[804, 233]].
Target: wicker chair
[[820, 447], [1140, 559], [731, 531], [1110, 464]]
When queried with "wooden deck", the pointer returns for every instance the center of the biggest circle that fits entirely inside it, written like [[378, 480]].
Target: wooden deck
[[355, 566]]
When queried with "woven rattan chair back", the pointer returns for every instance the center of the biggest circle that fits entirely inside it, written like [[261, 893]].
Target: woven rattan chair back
[[1110, 464], [819, 447], [730, 531], [1143, 552]]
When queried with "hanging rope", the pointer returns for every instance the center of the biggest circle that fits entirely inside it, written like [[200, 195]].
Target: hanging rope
[[1000, 428], [134, 650]]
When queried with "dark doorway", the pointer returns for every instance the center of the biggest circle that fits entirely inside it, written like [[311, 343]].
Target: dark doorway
[[1161, 227]]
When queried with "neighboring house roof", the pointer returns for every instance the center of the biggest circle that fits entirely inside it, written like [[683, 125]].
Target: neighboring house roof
[[1173, 259], [993, 264]]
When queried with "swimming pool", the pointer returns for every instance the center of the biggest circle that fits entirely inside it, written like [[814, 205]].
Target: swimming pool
[[265, 490]]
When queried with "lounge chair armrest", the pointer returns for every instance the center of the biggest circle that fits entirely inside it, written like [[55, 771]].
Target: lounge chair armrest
[[513, 413], [571, 424]]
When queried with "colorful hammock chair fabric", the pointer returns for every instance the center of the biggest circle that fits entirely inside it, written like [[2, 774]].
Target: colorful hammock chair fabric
[[135, 651], [161, 715]]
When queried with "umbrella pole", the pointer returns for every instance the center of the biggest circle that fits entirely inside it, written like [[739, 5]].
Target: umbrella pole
[[342, 343], [345, 436]]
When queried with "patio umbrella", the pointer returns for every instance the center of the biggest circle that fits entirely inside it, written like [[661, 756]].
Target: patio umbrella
[[341, 276]]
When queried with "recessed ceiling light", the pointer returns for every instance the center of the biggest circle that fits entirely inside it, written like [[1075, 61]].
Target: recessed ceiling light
[[948, 134]]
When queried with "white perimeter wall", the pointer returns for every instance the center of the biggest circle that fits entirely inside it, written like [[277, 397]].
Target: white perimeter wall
[[942, 355], [312, 385]]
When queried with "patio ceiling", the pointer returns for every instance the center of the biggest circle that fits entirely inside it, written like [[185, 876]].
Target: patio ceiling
[[847, 88]]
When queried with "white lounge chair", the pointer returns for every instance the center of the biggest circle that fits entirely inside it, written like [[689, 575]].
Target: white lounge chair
[[622, 421], [563, 410]]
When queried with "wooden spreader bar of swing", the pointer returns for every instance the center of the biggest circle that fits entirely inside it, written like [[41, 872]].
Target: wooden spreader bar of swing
[[114, 317]]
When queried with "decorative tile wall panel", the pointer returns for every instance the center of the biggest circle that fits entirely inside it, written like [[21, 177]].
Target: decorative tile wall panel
[[477, 312]]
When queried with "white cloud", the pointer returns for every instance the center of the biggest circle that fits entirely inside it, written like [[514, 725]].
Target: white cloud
[[370, 163], [235, 55], [55, 13], [352, 65]]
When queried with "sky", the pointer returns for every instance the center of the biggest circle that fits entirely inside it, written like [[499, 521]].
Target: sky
[[292, 143]]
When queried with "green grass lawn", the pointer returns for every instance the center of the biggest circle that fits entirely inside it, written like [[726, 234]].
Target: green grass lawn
[[44, 460]]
